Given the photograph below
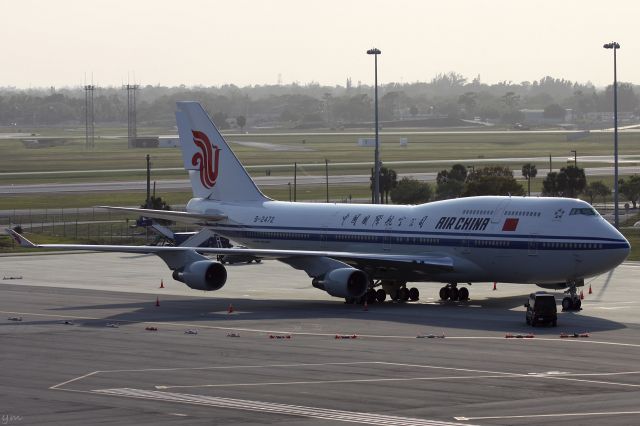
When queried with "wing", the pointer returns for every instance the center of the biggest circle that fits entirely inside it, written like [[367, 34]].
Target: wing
[[184, 217], [376, 265]]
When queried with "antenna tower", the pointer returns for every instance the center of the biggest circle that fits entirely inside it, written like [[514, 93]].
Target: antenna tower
[[132, 131], [89, 119]]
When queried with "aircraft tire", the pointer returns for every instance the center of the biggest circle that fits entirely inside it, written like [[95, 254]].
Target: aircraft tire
[[403, 294], [414, 294], [454, 294], [567, 304], [381, 295], [371, 296], [463, 294], [577, 304], [444, 293]]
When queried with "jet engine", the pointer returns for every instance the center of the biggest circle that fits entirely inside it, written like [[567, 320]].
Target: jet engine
[[202, 275], [343, 282]]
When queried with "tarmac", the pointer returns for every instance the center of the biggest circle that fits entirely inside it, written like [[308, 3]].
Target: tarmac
[[83, 342]]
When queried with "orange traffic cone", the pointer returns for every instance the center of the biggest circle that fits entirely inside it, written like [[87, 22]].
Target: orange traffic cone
[[230, 309], [161, 284], [494, 286], [590, 291], [366, 306], [581, 295], [157, 301]]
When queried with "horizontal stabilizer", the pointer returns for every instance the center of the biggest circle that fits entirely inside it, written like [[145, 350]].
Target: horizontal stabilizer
[[183, 217], [19, 239]]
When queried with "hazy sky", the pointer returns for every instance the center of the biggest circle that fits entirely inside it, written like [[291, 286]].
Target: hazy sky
[[243, 42]]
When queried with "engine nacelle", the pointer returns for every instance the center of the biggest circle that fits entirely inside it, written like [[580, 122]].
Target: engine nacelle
[[343, 282], [560, 286], [202, 275]]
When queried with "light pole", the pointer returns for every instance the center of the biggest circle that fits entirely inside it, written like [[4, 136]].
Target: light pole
[[575, 158], [376, 167], [615, 46], [326, 175]]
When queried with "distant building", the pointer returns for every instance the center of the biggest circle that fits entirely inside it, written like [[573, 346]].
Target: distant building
[[536, 116], [168, 141]]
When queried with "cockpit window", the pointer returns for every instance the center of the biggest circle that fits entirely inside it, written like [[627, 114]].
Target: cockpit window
[[586, 211]]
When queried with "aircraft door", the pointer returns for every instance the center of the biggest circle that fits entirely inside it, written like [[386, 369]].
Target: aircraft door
[[323, 237], [386, 239], [499, 211], [465, 245], [533, 245]]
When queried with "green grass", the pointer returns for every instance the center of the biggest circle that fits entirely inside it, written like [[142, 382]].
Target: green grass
[[113, 153]]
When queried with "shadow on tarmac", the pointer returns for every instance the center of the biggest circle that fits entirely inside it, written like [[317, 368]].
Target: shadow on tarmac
[[492, 315]]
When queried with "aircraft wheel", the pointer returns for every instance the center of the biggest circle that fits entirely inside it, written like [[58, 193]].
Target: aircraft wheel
[[258, 260], [414, 294], [381, 295], [463, 294], [577, 304], [394, 294], [371, 296], [444, 293], [454, 294], [403, 294], [567, 304]]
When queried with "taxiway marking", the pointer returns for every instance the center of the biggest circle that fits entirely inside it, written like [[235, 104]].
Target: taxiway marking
[[275, 408], [531, 416]]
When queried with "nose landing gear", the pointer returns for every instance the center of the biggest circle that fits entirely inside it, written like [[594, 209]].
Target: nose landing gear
[[572, 302]]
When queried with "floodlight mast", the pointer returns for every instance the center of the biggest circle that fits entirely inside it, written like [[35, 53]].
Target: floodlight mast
[[376, 167], [615, 46]]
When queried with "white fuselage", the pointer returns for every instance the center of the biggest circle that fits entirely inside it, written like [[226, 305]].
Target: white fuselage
[[506, 239]]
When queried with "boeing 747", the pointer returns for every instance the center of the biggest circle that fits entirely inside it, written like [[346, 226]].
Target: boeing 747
[[369, 251]]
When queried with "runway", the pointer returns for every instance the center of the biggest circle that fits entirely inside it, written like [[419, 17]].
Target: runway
[[276, 359], [262, 181]]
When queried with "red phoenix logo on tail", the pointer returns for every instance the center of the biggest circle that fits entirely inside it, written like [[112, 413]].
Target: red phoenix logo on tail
[[207, 159]]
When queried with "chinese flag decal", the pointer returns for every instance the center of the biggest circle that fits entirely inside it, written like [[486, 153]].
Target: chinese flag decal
[[510, 224]]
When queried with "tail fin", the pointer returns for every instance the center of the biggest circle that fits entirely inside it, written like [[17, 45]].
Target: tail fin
[[214, 170]]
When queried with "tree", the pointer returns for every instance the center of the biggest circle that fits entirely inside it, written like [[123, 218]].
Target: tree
[[241, 121], [411, 191], [220, 120], [575, 180], [388, 180], [529, 171], [597, 189], [630, 188], [492, 180], [570, 181], [469, 101], [449, 189], [550, 185], [450, 183]]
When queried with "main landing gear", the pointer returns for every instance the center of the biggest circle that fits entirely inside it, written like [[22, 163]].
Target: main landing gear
[[572, 302], [396, 290], [453, 293]]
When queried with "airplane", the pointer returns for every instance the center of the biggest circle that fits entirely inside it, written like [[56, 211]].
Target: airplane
[[366, 252]]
